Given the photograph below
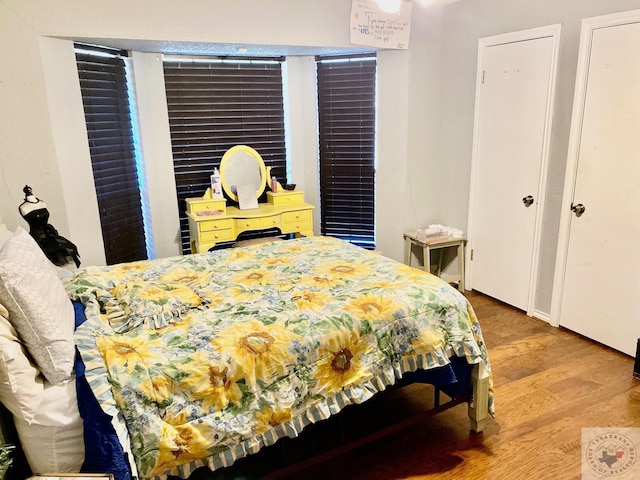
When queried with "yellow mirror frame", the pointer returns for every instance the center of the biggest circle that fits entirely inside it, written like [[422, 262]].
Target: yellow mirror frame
[[224, 166]]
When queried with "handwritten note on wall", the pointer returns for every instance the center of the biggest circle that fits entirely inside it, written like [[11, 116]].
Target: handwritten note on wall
[[371, 26]]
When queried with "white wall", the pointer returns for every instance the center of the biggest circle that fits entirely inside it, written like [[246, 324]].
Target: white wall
[[71, 150], [302, 136], [408, 140], [467, 21], [156, 152], [43, 138], [426, 101]]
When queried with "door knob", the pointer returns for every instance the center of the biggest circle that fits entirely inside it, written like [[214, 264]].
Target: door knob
[[578, 209], [528, 201]]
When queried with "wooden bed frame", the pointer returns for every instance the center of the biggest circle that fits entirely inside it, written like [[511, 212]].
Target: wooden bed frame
[[479, 401]]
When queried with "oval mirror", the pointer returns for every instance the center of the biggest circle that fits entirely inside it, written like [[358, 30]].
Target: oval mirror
[[242, 165]]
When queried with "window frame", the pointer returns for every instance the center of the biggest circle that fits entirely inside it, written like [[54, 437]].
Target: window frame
[[347, 145], [243, 98], [110, 118]]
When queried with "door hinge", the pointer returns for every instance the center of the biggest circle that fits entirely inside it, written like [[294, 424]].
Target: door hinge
[[471, 256]]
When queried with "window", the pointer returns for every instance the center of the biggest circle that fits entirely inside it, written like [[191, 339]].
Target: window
[[111, 132], [347, 118], [215, 104]]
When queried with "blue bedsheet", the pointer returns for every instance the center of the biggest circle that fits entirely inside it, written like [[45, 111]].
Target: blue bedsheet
[[103, 452]]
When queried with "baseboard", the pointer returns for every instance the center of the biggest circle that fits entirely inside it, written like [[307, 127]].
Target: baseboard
[[541, 316]]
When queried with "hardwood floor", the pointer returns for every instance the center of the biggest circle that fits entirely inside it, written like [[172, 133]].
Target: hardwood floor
[[549, 384]]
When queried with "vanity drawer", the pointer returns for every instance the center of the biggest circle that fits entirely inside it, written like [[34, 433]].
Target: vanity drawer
[[300, 226], [217, 236], [285, 197], [299, 221], [271, 222], [297, 216], [248, 223], [195, 205], [213, 225]]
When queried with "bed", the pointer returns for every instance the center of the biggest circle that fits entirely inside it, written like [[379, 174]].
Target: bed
[[203, 359]]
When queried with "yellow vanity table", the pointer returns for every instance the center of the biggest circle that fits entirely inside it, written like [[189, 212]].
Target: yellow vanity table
[[211, 221]]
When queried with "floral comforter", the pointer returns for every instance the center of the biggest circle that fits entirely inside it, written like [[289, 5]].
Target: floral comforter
[[206, 358]]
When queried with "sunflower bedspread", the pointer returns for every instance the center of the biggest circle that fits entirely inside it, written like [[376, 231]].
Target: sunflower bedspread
[[206, 358]]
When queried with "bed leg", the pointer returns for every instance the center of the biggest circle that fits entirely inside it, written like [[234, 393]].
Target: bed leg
[[479, 401]]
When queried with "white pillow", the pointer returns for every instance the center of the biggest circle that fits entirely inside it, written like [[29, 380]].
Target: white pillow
[[54, 442], [38, 306], [21, 384]]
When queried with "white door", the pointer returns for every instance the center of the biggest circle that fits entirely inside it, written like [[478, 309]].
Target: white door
[[601, 291], [513, 116]]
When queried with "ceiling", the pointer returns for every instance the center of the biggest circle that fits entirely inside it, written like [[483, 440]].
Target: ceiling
[[220, 49]]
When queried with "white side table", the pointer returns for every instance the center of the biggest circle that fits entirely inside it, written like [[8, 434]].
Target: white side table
[[429, 244]]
